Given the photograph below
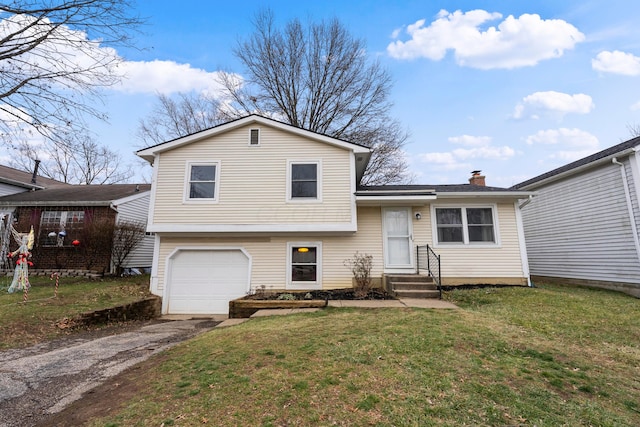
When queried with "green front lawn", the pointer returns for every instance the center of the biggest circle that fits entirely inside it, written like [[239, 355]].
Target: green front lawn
[[547, 356], [24, 324]]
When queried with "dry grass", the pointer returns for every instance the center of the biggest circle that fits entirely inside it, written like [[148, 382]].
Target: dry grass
[[514, 356], [37, 319]]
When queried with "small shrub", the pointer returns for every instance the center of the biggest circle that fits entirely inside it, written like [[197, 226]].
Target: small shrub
[[360, 266], [287, 297]]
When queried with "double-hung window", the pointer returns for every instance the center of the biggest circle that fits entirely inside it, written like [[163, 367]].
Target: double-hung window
[[202, 183], [304, 181], [304, 265], [465, 225]]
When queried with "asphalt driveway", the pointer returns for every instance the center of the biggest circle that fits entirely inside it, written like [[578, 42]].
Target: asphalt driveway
[[41, 380]]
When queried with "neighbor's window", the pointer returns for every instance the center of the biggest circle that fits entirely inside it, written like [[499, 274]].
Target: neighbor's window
[[60, 228], [203, 181], [465, 225], [304, 181], [304, 265]]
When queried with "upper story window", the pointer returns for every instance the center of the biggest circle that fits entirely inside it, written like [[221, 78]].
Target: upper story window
[[254, 137], [60, 228], [304, 181], [203, 181], [465, 225]]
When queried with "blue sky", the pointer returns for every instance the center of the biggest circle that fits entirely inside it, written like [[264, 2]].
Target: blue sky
[[514, 88]]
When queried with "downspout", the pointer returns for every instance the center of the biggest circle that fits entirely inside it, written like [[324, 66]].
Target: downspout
[[524, 258], [627, 195]]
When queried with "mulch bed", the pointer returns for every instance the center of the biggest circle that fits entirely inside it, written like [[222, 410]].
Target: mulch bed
[[326, 295]]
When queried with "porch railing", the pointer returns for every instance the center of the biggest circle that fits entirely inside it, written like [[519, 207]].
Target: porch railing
[[427, 260]]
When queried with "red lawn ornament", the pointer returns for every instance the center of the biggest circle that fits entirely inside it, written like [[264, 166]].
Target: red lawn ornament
[[76, 242]]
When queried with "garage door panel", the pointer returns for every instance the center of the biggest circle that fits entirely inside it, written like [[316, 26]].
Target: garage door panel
[[204, 281]]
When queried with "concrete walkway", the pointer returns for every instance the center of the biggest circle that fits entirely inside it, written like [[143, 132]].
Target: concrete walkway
[[399, 303]]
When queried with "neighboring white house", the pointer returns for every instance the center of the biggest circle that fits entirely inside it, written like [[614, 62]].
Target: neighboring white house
[[582, 225], [255, 203]]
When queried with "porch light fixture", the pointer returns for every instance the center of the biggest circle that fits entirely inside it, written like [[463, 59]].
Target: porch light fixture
[[303, 250], [418, 216]]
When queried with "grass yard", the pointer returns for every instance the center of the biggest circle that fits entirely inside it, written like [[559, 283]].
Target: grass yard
[[547, 356], [30, 323]]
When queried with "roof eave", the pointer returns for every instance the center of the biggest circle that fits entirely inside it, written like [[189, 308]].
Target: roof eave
[[579, 169], [486, 194], [22, 203]]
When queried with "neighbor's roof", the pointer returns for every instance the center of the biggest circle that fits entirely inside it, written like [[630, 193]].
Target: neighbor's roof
[[75, 195], [12, 176], [586, 162]]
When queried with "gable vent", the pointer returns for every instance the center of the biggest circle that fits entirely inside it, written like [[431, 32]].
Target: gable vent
[[254, 137]]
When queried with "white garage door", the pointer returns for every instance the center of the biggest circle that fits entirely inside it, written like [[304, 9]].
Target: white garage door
[[204, 281]]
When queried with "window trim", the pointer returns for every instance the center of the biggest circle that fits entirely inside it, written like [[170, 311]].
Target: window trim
[[290, 284], [251, 139], [187, 182], [465, 226], [318, 198]]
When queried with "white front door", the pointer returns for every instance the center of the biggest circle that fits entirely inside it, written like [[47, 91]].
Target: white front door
[[398, 239]]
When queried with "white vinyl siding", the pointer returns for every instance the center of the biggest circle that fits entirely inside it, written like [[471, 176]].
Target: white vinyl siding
[[136, 209], [253, 182], [580, 228], [6, 189]]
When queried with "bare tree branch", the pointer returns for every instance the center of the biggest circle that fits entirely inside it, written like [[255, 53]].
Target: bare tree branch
[[319, 78], [78, 160], [55, 56]]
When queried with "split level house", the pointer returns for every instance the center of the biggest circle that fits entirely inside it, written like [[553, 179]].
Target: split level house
[[62, 214], [582, 225], [258, 204]]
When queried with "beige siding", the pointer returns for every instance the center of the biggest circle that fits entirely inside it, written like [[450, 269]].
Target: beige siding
[[501, 264], [462, 264], [253, 173]]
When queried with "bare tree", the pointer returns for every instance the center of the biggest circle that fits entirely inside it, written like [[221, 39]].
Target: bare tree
[[77, 161], [126, 236], [319, 78], [55, 55], [172, 119], [634, 129]]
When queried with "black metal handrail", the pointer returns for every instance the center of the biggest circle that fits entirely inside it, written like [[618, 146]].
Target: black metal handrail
[[428, 260]]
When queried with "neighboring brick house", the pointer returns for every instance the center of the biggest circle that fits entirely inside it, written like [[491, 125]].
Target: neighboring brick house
[[61, 215]]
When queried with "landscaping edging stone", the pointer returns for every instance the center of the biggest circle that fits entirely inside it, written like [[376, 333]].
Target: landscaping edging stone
[[148, 308], [244, 308]]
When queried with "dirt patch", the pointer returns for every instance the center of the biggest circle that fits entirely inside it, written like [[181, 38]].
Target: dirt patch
[[107, 398]]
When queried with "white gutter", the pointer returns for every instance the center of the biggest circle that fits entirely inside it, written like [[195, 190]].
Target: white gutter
[[627, 195], [526, 202]]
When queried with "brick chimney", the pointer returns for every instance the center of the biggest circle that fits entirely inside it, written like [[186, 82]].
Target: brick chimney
[[476, 178]]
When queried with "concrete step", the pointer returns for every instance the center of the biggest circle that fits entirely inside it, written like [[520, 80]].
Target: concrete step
[[410, 286], [394, 278], [417, 294]]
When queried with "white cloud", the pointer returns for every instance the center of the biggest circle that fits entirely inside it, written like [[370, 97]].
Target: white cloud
[[515, 42], [617, 62], [489, 153], [635, 106], [166, 77], [465, 158], [564, 136], [551, 103], [470, 141]]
